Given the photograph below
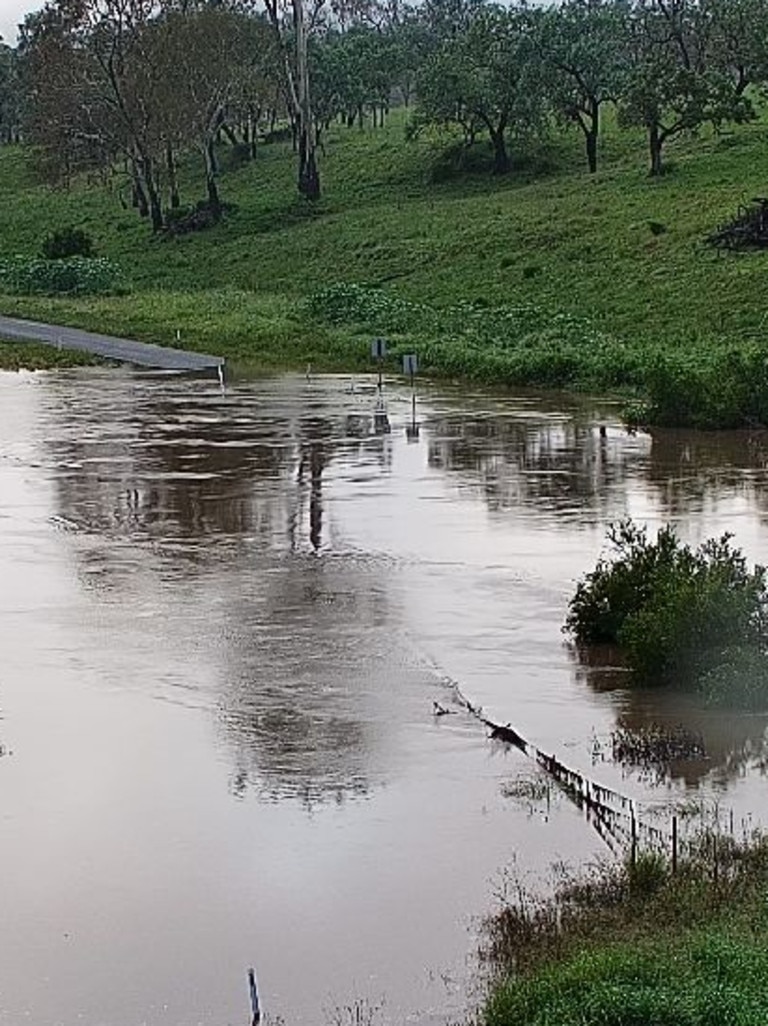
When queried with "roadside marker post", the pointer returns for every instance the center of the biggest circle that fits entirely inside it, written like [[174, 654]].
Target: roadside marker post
[[378, 352], [380, 419], [411, 368]]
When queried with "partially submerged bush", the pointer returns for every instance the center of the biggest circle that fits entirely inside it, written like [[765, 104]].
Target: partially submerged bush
[[689, 618], [74, 276]]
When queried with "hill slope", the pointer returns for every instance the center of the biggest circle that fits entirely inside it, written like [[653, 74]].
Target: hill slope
[[616, 254]]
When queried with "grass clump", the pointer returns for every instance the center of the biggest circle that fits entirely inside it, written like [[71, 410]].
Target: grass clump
[[634, 945], [687, 618], [16, 356]]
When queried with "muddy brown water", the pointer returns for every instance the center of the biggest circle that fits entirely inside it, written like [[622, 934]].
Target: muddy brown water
[[224, 619]]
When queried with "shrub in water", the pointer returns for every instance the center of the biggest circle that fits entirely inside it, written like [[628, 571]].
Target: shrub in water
[[690, 618], [67, 242]]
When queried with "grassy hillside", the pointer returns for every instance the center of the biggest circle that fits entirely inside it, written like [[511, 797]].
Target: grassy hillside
[[617, 256]]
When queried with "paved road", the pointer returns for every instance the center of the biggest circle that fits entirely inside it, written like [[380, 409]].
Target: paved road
[[121, 349]]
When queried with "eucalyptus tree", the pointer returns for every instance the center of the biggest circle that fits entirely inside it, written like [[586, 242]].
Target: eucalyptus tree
[[736, 39], [582, 44], [291, 30], [483, 74], [10, 94], [91, 90], [212, 62], [672, 86]]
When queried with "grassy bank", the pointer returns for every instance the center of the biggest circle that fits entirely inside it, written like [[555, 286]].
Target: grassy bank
[[546, 276], [631, 946]]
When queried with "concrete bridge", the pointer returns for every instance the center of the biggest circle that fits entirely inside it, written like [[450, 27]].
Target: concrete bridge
[[107, 346]]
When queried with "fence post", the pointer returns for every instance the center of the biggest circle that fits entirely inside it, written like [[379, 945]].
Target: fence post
[[633, 849], [674, 844]]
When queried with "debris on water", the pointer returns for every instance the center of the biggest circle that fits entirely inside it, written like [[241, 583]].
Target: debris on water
[[508, 736], [440, 710]]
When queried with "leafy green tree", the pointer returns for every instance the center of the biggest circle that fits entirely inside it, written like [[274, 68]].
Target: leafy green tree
[[10, 93], [485, 74], [583, 44], [92, 92], [671, 86], [211, 61], [737, 39]]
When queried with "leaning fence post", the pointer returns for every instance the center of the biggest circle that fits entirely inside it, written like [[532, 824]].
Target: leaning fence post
[[633, 849], [255, 1010]]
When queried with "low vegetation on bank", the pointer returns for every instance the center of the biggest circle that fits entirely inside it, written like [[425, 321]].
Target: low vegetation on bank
[[694, 619], [640, 943]]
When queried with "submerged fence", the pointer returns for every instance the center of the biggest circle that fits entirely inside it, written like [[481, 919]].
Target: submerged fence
[[616, 817]]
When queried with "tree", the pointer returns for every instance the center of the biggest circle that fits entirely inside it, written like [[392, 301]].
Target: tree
[[211, 62], [671, 86], [485, 74], [10, 94], [737, 39], [294, 48], [582, 43], [92, 90]]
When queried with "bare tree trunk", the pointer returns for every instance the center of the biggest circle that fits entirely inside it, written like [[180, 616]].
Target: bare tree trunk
[[500, 155], [309, 178], [655, 143], [299, 97], [591, 132], [211, 170], [173, 182]]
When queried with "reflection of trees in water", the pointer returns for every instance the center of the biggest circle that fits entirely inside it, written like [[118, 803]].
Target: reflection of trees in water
[[689, 469], [165, 485], [551, 463], [736, 742], [307, 671]]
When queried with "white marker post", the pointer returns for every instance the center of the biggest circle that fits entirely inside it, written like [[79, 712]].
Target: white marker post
[[378, 352], [411, 368]]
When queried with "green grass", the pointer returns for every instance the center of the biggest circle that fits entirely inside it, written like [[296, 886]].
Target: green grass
[[640, 946], [396, 217]]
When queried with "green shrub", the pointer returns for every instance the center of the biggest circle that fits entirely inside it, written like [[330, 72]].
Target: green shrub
[[73, 276], [689, 618], [67, 242]]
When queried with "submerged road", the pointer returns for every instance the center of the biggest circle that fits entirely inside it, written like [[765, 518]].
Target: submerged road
[[123, 350]]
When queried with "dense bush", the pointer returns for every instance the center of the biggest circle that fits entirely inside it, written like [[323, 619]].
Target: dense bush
[[67, 242], [74, 276], [689, 618]]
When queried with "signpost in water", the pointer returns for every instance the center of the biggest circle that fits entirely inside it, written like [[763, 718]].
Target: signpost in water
[[411, 368]]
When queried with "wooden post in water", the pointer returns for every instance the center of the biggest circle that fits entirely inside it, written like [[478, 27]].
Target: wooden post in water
[[255, 1010], [410, 367], [715, 867], [633, 848]]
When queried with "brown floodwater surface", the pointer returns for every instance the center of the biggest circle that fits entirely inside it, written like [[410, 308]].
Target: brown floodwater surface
[[224, 620]]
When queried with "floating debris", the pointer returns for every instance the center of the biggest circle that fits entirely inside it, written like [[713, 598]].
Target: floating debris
[[440, 710]]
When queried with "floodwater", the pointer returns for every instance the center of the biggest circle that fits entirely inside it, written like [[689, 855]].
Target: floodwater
[[224, 620]]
